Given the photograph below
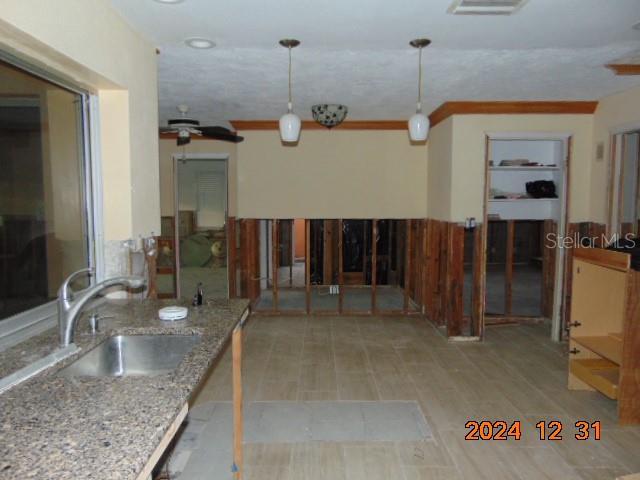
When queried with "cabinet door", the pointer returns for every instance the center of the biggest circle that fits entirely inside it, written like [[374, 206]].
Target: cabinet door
[[597, 299]]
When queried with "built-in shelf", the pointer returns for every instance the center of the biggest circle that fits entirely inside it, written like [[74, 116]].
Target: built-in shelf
[[523, 199], [607, 346], [522, 169], [598, 373]]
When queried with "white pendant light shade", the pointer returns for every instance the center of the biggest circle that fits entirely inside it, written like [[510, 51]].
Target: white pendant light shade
[[418, 127], [419, 122], [290, 123], [290, 127]]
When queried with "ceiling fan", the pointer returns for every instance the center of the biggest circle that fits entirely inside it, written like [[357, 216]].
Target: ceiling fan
[[185, 127]]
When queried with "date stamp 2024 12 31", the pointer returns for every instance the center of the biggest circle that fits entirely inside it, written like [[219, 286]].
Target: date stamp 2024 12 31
[[547, 430]]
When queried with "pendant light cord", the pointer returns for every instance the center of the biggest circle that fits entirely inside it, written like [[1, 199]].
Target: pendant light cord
[[420, 79], [290, 101]]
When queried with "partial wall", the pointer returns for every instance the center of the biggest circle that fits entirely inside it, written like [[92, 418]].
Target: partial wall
[[466, 195], [615, 113], [90, 45], [332, 174]]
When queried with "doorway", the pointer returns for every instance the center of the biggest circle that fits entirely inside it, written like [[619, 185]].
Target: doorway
[[624, 194], [525, 213], [200, 219]]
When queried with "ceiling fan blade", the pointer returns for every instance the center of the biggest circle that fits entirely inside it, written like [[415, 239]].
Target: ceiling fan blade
[[168, 130], [221, 133], [183, 141]]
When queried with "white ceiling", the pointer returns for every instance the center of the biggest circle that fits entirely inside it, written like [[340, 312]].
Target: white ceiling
[[356, 52]]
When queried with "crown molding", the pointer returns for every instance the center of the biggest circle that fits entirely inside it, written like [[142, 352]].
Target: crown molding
[[311, 125], [448, 109], [624, 68]]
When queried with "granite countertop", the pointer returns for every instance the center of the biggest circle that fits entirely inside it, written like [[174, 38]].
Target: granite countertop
[[57, 427]]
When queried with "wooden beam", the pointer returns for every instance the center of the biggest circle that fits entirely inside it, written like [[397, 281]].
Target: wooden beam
[[477, 299], [624, 68], [448, 109], [232, 259], [236, 354], [311, 125], [374, 265], [508, 269], [275, 259], [407, 264], [327, 252], [549, 229], [455, 280], [340, 269], [164, 444], [307, 264], [442, 297]]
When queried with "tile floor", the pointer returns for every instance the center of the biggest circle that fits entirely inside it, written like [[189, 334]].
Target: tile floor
[[517, 373]]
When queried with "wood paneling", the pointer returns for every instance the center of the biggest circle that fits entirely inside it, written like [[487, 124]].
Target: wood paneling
[[311, 125], [448, 109], [625, 69]]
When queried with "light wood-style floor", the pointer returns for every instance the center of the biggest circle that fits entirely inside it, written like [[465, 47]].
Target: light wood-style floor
[[517, 373]]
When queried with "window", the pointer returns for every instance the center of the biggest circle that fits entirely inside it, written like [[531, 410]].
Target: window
[[44, 219]]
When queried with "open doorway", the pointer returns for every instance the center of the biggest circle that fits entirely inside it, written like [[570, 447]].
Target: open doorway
[[200, 220], [624, 191], [525, 212]]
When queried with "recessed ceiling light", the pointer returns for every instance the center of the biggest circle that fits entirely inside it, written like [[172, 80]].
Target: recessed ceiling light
[[200, 43], [169, 2]]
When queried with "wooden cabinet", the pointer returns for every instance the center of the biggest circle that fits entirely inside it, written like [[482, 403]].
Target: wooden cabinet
[[604, 339]]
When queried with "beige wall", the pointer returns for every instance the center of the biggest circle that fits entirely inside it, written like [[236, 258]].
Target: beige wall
[[615, 113], [168, 148], [440, 170], [466, 194], [332, 174], [88, 43]]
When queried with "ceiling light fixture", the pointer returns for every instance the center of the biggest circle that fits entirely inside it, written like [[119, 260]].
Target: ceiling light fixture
[[329, 114], [199, 43], [419, 123], [290, 122]]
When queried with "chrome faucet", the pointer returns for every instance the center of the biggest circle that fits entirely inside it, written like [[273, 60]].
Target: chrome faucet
[[70, 308]]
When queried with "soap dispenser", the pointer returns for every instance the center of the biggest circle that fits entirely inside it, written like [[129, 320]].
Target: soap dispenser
[[199, 296]]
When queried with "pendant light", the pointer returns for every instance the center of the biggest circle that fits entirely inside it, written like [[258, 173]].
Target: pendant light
[[290, 122], [419, 122]]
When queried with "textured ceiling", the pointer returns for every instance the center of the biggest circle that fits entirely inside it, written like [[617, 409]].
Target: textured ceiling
[[356, 52]]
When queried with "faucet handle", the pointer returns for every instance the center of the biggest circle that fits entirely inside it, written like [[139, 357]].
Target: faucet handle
[[65, 291], [94, 322]]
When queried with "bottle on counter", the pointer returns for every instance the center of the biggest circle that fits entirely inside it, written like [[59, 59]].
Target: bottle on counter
[[198, 298]]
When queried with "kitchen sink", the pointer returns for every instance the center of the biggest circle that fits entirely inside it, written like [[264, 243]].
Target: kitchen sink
[[127, 355]]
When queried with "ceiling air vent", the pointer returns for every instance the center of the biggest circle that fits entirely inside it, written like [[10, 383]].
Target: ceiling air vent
[[486, 7]]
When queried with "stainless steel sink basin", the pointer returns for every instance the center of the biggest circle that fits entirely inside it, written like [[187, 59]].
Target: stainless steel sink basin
[[126, 355]]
